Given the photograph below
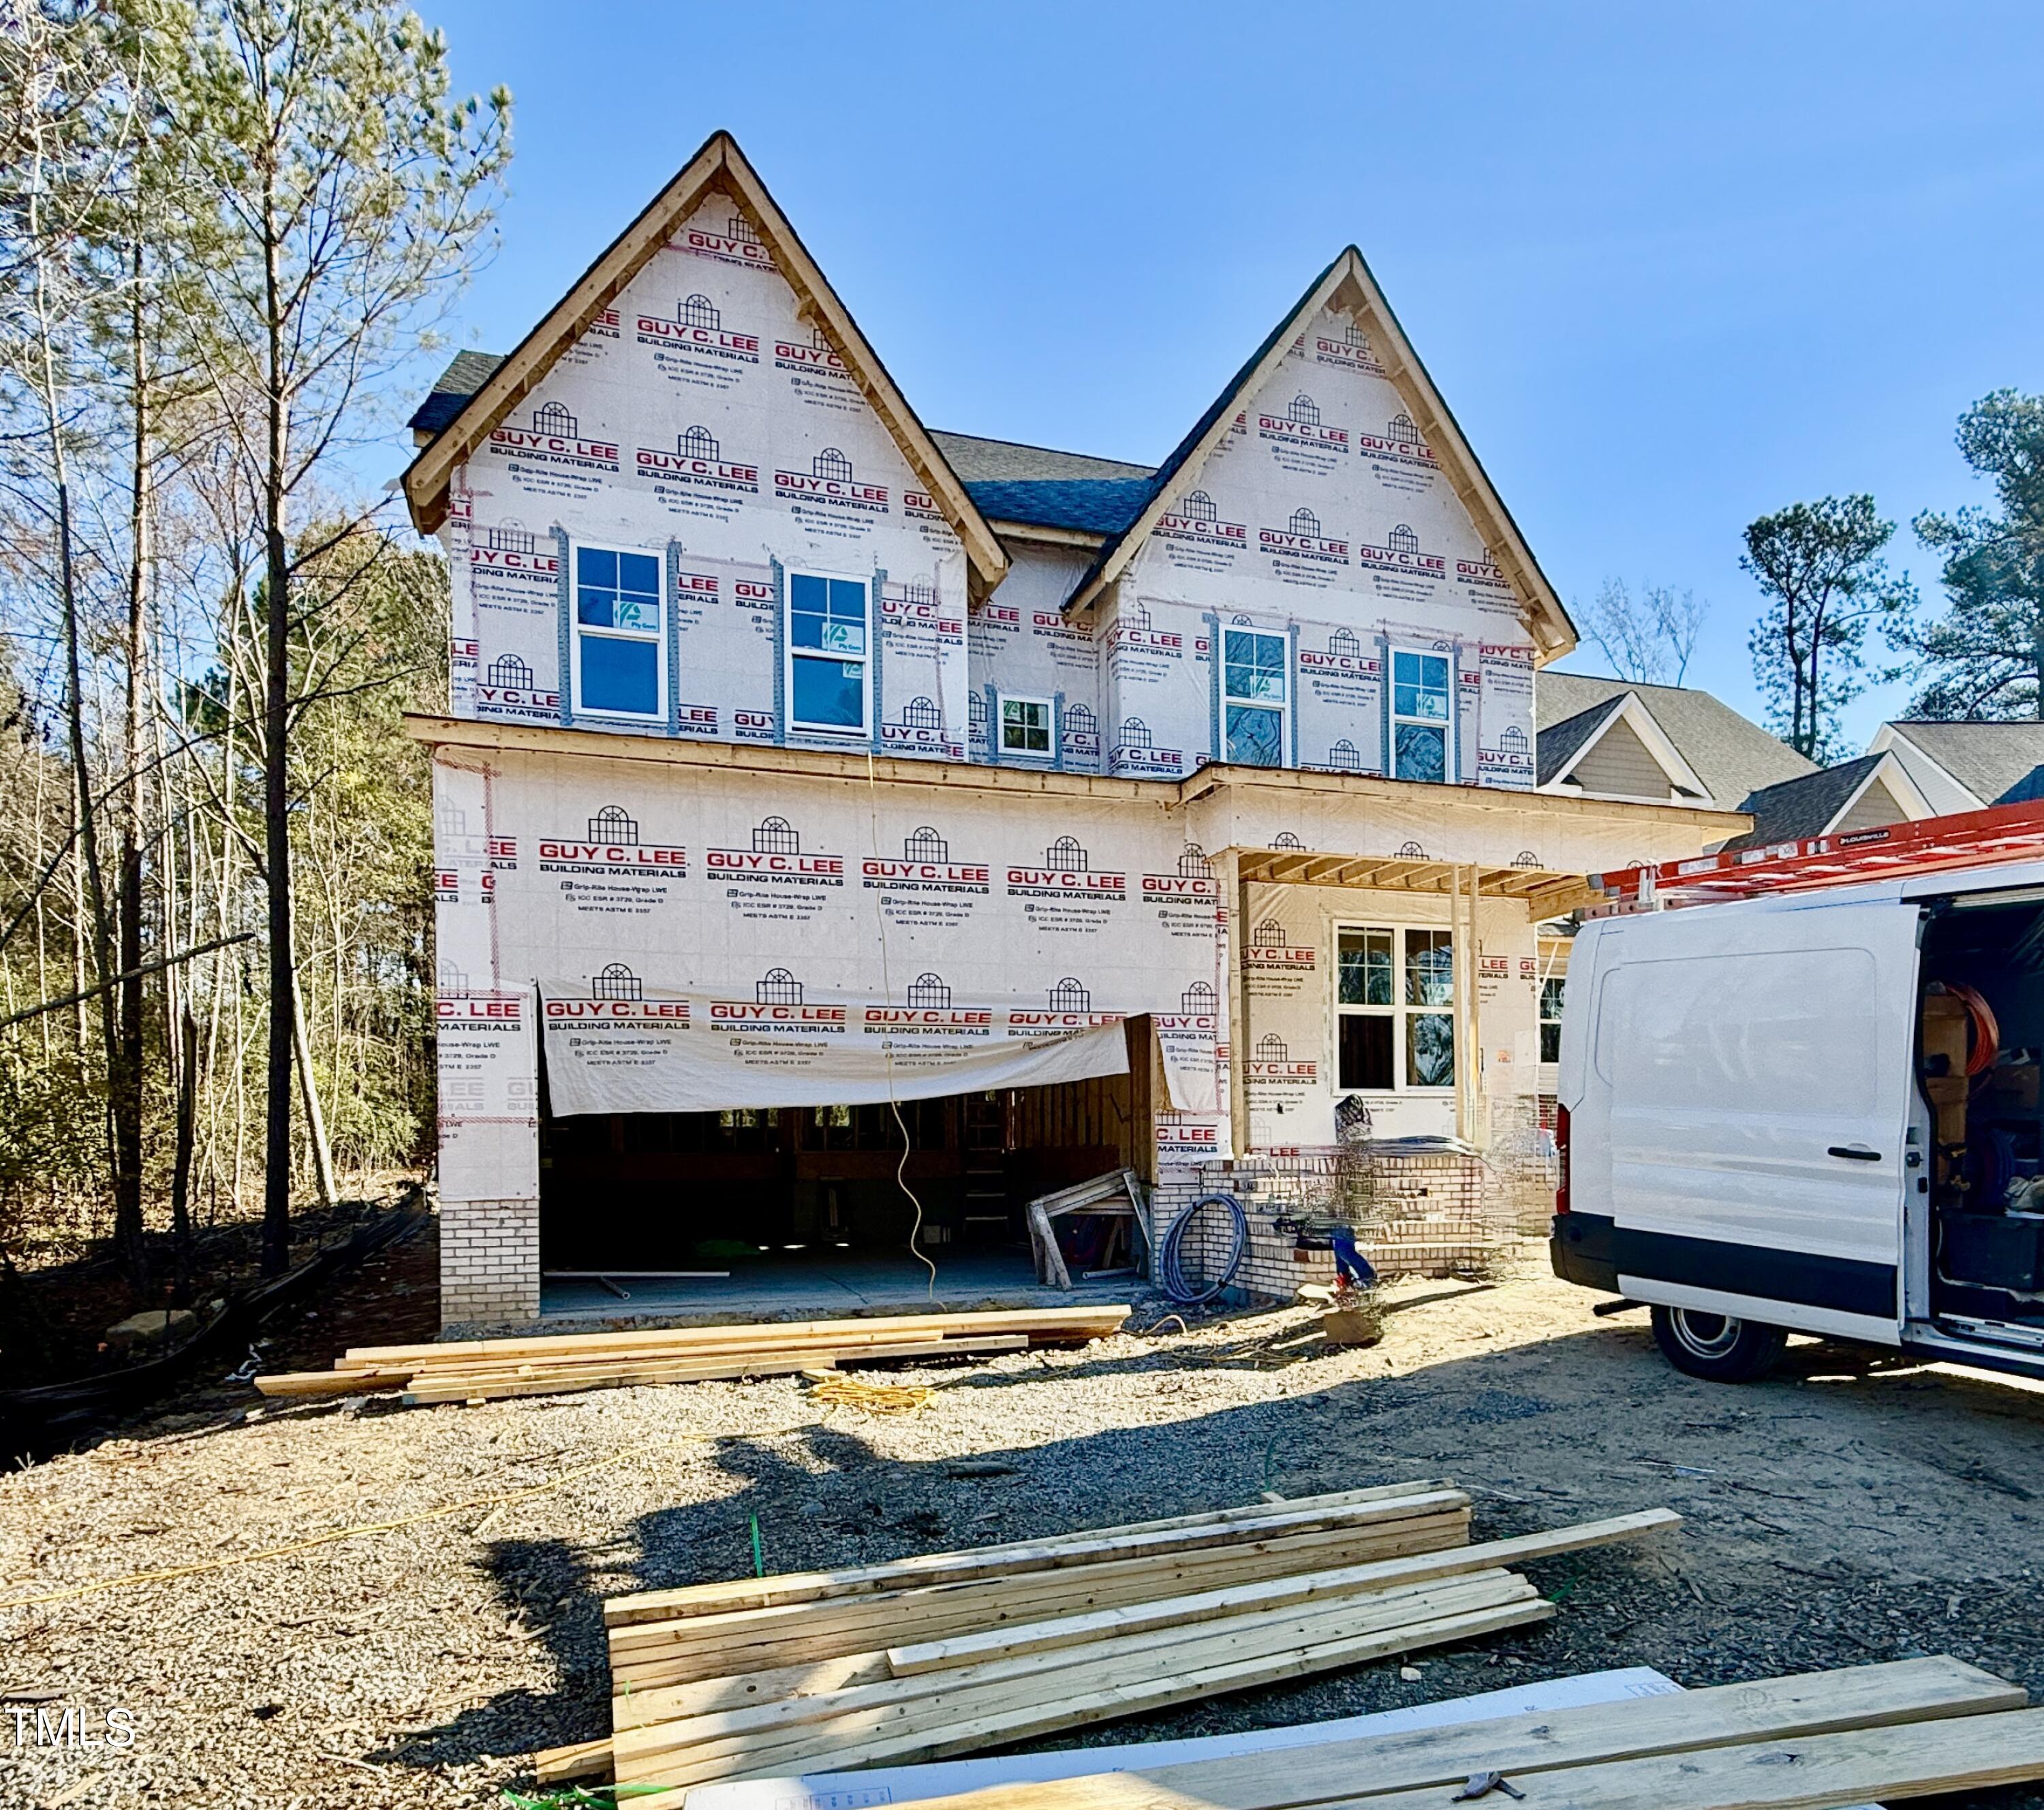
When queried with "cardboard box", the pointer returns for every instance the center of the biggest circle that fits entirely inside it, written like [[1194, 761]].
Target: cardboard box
[[1946, 1021]]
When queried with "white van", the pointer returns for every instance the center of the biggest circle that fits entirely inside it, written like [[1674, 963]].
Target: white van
[[1814, 1112]]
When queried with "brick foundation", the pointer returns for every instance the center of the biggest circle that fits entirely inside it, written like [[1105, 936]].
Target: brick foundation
[[490, 1262], [1432, 1214]]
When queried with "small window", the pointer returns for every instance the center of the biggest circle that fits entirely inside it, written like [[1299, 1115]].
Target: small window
[[1394, 1004], [620, 657], [829, 691], [1420, 702], [1254, 688], [1552, 992], [1026, 726]]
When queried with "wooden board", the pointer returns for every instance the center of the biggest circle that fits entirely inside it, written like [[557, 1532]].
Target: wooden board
[[778, 1736], [1008, 1642], [1105, 1702], [1278, 1520], [1772, 1709], [541, 1378], [1045, 1322], [710, 1647], [1921, 1759]]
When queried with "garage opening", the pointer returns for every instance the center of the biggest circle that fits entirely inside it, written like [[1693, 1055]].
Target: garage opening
[[806, 1206]]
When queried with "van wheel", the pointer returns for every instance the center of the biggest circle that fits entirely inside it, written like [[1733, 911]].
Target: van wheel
[[1716, 1347]]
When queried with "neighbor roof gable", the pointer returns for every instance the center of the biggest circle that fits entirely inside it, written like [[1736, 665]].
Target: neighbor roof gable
[[1347, 285], [1588, 731], [719, 165]]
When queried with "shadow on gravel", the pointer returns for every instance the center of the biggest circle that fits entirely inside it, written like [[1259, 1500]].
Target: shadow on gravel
[[545, 1585], [1836, 1514]]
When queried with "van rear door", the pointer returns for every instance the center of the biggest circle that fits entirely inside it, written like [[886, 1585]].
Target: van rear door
[[1754, 1066]]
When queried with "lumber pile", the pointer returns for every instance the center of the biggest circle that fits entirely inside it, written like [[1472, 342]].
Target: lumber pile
[[481, 1369], [955, 1651], [1912, 1728]]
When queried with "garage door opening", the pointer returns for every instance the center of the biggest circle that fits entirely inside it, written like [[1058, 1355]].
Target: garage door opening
[[802, 1205]]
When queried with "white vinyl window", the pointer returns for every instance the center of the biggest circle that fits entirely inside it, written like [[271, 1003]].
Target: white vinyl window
[[619, 651], [1028, 727], [1253, 698], [1422, 704], [1554, 990], [1394, 1008], [830, 683]]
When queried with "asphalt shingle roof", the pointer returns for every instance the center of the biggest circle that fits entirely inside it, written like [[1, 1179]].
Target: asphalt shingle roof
[[1990, 760], [466, 374], [1799, 808], [1733, 757], [1094, 505], [977, 460], [1560, 743]]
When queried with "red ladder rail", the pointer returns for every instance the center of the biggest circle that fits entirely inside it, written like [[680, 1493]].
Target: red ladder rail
[[1964, 839]]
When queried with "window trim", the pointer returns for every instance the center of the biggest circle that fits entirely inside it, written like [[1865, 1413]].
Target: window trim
[[1398, 1011], [863, 732], [1445, 725], [1001, 701], [1283, 708], [578, 629]]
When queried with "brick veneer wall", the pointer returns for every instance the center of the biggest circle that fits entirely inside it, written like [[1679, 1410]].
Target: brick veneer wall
[[490, 1262]]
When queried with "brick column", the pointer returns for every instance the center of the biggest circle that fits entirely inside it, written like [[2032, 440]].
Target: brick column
[[490, 1262]]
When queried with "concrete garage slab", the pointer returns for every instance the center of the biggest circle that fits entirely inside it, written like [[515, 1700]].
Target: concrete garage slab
[[824, 1285]]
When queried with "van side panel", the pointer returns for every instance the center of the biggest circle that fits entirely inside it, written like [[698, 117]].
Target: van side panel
[[1741, 1109]]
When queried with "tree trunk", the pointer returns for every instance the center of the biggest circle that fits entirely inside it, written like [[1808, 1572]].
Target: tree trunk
[[308, 1094], [124, 1069], [181, 1173], [276, 795]]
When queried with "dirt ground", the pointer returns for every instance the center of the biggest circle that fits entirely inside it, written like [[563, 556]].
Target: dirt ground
[[1848, 1510]]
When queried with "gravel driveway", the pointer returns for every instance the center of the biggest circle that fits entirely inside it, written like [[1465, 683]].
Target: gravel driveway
[[1844, 1512]]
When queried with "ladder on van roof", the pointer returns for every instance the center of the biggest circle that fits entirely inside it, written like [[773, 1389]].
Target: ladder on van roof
[[1932, 845]]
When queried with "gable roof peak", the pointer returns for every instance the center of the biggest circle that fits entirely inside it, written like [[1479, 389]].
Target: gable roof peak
[[719, 165], [1347, 286]]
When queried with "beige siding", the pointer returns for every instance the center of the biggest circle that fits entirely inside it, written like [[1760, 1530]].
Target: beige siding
[[1873, 807], [1620, 766]]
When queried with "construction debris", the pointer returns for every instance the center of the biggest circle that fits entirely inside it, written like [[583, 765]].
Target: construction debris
[[483, 1369], [956, 1651]]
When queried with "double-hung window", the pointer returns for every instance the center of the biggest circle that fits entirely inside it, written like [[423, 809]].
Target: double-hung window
[[1394, 1004], [1421, 700], [830, 689], [1553, 990], [619, 653], [1027, 727], [1253, 698]]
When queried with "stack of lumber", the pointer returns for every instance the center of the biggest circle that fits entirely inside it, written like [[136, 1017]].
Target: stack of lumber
[[1913, 1728], [479, 1369], [955, 1651]]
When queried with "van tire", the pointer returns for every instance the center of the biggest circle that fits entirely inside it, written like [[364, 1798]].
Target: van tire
[[1716, 1348]]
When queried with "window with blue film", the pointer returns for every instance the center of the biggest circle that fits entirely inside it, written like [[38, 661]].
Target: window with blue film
[[1421, 701], [620, 657], [829, 630], [1255, 686]]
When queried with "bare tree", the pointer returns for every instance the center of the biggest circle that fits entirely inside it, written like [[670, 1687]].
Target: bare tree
[[1649, 638]]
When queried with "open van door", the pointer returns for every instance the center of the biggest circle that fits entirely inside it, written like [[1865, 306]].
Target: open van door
[[1751, 1068]]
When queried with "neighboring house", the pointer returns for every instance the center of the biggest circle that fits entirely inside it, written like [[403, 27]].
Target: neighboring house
[[1611, 738], [1967, 767], [805, 766], [1875, 789]]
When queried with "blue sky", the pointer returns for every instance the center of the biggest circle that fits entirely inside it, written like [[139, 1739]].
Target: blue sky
[[1672, 267]]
